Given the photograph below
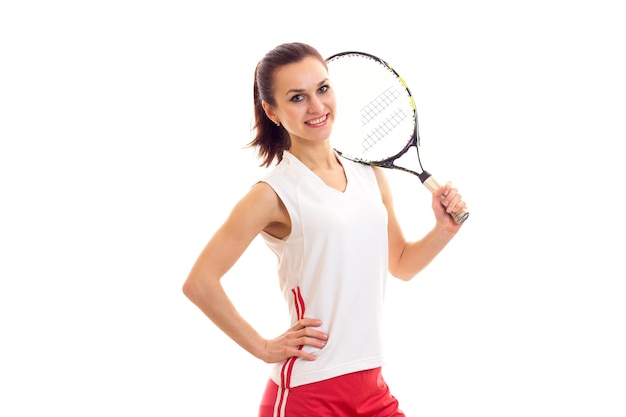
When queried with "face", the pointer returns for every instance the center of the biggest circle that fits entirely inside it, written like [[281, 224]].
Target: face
[[305, 102]]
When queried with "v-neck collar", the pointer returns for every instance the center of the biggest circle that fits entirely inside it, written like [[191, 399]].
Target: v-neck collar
[[294, 158]]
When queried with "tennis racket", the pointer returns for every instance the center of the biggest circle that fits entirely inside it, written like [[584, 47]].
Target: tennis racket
[[377, 122]]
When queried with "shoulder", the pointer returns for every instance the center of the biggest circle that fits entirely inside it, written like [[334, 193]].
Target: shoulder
[[262, 196], [286, 177], [257, 209], [289, 169], [359, 168], [383, 184], [380, 174], [377, 173]]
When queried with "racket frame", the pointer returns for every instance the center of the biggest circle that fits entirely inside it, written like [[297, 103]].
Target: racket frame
[[425, 177]]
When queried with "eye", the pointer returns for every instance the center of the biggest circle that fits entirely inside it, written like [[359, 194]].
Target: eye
[[324, 88], [297, 97]]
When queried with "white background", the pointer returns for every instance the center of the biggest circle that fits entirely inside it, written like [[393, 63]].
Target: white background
[[123, 127]]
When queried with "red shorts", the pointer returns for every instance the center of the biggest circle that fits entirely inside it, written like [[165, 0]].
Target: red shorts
[[359, 394]]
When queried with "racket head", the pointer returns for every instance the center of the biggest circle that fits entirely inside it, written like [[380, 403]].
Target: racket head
[[376, 119]]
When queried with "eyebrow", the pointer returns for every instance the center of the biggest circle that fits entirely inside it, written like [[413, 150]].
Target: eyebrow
[[300, 90]]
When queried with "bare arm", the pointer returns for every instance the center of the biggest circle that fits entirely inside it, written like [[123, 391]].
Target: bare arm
[[407, 259], [259, 210]]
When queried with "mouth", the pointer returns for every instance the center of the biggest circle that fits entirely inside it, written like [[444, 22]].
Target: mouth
[[318, 121]]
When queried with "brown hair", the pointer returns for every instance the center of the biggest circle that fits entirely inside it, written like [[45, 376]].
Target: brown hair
[[269, 139]]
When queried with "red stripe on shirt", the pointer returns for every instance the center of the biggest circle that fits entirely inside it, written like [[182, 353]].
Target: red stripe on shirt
[[287, 368]]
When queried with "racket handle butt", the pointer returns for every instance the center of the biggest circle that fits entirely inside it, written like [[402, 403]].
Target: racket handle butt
[[431, 183]]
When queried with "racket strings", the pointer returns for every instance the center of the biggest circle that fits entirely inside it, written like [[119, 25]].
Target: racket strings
[[384, 129], [378, 105]]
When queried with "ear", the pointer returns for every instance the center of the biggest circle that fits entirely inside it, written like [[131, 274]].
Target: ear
[[269, 112]]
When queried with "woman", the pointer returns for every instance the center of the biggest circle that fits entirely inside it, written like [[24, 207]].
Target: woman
[[331, 223]]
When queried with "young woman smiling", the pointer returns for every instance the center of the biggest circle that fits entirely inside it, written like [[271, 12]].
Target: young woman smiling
[[332, 226]]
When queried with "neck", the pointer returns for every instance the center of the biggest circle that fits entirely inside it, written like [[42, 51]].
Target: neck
[[315, 157]]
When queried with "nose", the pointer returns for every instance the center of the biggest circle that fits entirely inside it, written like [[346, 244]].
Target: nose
[[315, 105]]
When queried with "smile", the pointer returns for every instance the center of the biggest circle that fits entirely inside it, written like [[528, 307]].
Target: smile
[[317, 121]]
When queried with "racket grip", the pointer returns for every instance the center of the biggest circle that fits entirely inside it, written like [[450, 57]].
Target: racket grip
[[431, 183]]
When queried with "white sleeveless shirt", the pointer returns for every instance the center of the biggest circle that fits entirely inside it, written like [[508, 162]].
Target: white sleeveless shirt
[[332, 266]]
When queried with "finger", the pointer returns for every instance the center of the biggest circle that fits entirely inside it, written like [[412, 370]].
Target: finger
[[312, 341], [305, 355], [447, 190], [444, 191], [313, 334], [447, 198], [454, 204], [460, 206], [448, 195], [303, 323]]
